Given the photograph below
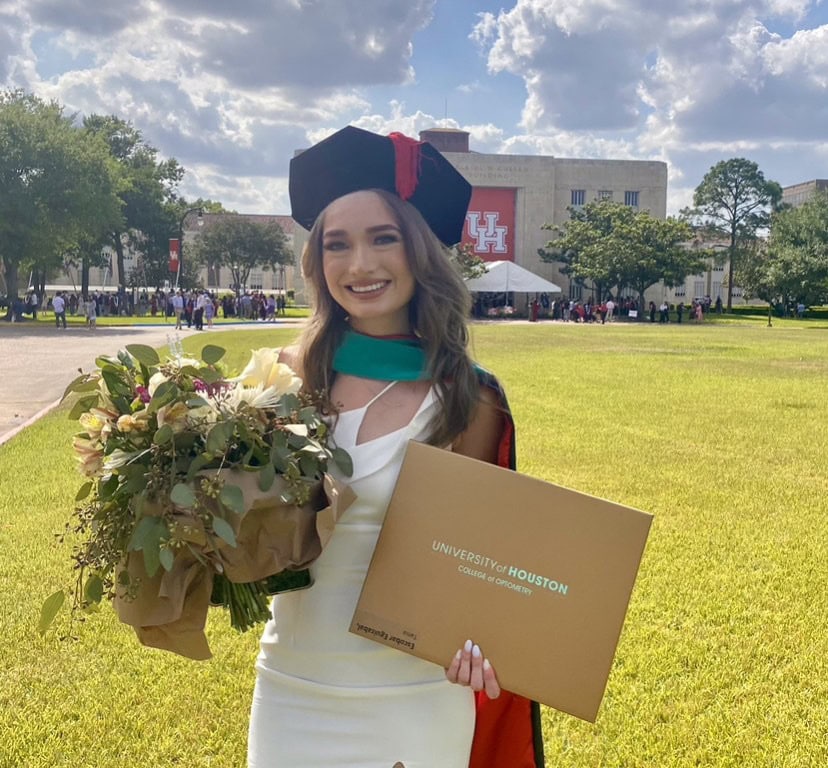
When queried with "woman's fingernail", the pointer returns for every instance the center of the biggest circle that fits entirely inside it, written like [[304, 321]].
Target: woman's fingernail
[[486, 665], [468, 646], [476, 651], [457, 655]]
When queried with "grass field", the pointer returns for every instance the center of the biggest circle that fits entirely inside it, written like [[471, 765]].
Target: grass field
[[718, 430]]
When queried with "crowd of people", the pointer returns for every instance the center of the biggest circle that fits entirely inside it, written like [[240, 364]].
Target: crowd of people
[[197, 308]]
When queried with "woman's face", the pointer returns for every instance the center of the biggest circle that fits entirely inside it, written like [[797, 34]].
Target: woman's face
[[365, 264]]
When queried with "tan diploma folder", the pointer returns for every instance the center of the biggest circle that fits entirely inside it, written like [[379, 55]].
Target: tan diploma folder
[[538, 575]]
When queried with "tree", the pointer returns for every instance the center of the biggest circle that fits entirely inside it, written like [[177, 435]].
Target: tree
[[241, 244], [735, 200], [468, 263], [612, 244], [793, 266], [149, 193], [58, 185]]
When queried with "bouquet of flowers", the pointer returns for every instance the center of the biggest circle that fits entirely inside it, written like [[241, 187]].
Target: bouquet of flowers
[[199, 487]]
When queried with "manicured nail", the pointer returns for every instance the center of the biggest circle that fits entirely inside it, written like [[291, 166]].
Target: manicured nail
[[486, 665], [468, 646], [476, 651], [457, 655]]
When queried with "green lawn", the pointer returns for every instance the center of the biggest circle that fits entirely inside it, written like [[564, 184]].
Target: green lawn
[[719, 430]]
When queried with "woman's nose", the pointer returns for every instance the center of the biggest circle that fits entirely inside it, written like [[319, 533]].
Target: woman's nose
[[362, 258]]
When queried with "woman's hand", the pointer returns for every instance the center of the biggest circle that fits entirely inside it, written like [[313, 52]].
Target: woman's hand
[[469, 667]]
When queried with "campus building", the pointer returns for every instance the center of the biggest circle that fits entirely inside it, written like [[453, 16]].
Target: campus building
[[796, 194]]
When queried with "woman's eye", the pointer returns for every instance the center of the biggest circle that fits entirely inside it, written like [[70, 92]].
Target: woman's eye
[[386, 239], [334, 245]]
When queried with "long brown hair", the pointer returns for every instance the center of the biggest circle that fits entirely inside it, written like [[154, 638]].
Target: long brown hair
[[437, 315]]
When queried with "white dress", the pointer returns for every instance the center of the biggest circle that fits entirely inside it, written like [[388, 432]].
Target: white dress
[[325, 698]]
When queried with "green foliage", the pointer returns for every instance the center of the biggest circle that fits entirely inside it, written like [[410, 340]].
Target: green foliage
[[735, 201], [58, 185], [242, 245], [468, 263], [793, 266], [614, 245]]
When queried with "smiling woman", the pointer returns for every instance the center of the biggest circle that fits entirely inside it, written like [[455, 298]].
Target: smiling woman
[[387, 342]]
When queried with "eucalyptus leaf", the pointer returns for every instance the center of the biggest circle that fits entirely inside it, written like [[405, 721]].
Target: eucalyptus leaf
[[152, 560], [209, 376], [163, 435], [211, 354], [197, 402], [218, 436], [199, 462], [83, 491], [75, 383], [224, 530], [232, 498], [82, 405], [182, 495], [166, 557], [267, 475], [143, 354], [49, 610], [93, 589], [343, 461]]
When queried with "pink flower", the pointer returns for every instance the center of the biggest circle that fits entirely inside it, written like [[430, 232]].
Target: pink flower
[[143, 394]]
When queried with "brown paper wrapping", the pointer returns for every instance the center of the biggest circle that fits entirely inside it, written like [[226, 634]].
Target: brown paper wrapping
[[170, 609]]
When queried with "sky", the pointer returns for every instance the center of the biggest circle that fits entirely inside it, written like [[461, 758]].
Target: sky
[[231, 90]]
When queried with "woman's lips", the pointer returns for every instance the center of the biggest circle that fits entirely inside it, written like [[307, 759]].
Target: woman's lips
[[368, 288]]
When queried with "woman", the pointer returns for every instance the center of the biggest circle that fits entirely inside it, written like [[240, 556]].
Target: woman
[[387, 341]]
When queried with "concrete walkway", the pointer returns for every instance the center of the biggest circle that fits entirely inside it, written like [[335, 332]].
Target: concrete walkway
[[37, 361]]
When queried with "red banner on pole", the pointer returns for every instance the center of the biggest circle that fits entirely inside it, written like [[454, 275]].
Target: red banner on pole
[[175, 249]]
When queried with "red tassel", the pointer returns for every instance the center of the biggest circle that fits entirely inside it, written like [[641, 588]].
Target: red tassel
[[407, 169]]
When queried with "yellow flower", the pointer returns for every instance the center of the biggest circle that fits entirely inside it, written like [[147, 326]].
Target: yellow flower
[[136, 422], [175, 414], [90, 456], [98, 423], [264, 370]]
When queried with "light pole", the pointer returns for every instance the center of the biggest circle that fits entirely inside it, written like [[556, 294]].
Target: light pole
[[200, 212]]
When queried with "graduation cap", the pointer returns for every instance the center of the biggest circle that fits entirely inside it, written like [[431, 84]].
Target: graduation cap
[[352, 159]]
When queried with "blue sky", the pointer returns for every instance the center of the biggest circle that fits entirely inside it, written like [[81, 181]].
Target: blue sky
[[231, 90]]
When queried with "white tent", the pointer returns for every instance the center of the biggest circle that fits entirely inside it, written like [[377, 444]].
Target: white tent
[[505, 276]]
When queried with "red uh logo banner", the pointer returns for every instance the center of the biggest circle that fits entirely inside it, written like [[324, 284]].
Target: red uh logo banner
[[174, 250], [490, 224]]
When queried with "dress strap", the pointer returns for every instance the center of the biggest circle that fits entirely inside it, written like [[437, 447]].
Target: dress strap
[[377, 396]]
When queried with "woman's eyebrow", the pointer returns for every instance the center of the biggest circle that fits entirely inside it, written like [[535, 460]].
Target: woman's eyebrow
[[373, 230]]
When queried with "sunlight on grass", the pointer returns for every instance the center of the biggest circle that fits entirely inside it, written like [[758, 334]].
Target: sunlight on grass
[[718, 430]]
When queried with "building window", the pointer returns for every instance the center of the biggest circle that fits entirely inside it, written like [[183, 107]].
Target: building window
[[680, 290], [213, 273], [698, 289], [578, 196], [575, 291], [255, 282], [631, 198], [605, 194]]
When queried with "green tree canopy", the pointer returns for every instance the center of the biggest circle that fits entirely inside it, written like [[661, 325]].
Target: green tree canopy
[[241, 244], [793, 265], [58, 185], [736, 201], [149, 195], [612, 244]]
